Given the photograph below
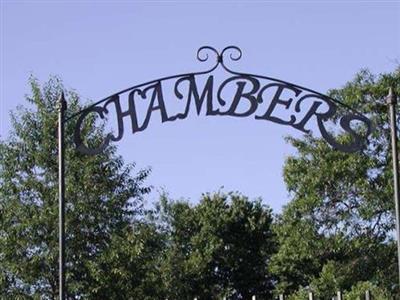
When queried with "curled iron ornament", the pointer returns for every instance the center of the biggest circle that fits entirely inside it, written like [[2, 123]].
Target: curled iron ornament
[[219, 57], [153, 91]]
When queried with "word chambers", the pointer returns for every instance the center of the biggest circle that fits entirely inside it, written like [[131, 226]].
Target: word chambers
[[249, 98]]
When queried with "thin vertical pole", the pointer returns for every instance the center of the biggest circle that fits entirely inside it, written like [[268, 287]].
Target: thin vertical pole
[[61, 196], [367, 295], [392, 101], [310, 296], [339, 295]]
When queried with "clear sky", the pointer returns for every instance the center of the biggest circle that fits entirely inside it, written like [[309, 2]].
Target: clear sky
[[100, 47]]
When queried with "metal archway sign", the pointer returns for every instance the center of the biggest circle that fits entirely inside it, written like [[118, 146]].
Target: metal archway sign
[[255, 96]]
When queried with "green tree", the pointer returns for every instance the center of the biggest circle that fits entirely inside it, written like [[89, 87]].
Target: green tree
[[102, 199], [342, 202], [358, 292], [220, 247], [130, 266]]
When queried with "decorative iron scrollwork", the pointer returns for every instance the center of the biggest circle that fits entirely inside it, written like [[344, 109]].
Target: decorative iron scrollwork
[[250, 90]]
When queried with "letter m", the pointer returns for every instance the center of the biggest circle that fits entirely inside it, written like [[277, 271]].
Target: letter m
[[193, 93]]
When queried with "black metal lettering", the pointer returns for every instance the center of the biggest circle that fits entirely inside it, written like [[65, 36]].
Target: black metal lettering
[[312, 111], [78, 130], [156, 103], [277, 100], [207, 93], [239, 95]]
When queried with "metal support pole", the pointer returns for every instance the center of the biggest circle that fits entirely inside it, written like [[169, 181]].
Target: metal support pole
[[310, 296], [368, 295], [392, 101], [61, 196], [339, 295]]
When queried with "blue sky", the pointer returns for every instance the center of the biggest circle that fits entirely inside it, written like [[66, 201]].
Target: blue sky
[[100, 47]]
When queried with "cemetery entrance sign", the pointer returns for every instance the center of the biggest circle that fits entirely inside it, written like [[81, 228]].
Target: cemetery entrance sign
[[238, 95]]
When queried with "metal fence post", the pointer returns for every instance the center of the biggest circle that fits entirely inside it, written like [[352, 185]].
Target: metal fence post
[[310, 296], [368, 295], [61, 196], [392, 101], [339, 295]]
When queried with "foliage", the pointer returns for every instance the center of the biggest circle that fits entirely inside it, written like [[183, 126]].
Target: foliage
[[358, 291], [220, 247], [342, 203], [130, 266], [301, 294], [102, 198]]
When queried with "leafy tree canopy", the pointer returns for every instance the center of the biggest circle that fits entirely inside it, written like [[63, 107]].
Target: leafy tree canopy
[[218, 248], [338, 228], [102, 198]]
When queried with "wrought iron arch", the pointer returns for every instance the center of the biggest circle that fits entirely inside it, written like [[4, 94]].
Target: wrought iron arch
[[338, 111], [205, 98]]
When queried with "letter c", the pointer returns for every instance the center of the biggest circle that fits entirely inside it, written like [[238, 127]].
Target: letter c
[[81, 147]]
